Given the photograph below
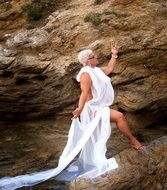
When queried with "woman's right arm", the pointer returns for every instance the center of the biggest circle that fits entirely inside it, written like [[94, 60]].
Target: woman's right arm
[[85, 85]]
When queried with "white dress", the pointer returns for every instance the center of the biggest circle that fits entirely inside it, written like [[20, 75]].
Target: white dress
[[84, 153]]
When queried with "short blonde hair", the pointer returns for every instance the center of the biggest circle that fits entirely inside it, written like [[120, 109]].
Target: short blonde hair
[[84, 55]]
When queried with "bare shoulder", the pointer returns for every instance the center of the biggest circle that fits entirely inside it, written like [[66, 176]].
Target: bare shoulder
[[85, 77]]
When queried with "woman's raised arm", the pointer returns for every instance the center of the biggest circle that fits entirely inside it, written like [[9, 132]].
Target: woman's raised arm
[[109, 68]]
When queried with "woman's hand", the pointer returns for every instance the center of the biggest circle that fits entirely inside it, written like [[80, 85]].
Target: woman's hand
[[76, 112], [115, 49]]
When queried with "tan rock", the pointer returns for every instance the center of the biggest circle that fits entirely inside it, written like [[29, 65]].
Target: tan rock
[[5, 61], [45, 58], [137, 170], [28, 38]]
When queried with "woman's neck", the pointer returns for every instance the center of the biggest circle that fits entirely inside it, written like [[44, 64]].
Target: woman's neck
[[91, 66]]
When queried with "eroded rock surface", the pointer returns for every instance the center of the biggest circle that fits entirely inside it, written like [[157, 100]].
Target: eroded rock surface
[[137, 170], [38, 65]]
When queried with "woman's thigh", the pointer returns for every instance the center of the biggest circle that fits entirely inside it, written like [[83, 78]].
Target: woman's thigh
[[115, 115]]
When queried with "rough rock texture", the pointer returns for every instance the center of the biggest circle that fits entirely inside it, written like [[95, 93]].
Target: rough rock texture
[[32, 146], [137, 170], [38, 66], [39, 143], [11, 16]]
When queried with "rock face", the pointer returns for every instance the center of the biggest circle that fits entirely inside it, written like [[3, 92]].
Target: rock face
[[30, 88], [137, 170], [38, 66]]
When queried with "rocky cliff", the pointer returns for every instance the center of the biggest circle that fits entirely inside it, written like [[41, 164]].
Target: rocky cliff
[[38, 65], [38, 61]]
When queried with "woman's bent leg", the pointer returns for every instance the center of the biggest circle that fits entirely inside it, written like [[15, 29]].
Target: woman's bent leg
[[120, 120]]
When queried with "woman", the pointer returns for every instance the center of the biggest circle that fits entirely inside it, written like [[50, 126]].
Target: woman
[[88, 58], [84, 154]]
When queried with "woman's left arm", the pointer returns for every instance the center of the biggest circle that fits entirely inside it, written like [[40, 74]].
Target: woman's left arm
[[109, 68]]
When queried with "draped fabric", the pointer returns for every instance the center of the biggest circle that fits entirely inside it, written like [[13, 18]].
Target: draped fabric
[[84, 154]]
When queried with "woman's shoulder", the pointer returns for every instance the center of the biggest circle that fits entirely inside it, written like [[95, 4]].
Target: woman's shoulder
[[85, 69]]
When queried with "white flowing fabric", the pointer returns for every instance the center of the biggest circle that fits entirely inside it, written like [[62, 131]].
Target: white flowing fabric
[[84, 154]]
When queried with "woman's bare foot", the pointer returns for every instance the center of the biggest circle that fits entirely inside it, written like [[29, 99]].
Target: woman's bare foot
[[136, 144]]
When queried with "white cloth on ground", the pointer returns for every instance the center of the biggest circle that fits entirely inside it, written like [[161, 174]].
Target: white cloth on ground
[[84, 154]]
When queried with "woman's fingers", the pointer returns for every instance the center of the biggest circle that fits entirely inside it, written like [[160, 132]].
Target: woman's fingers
[[76, 113], [115, 49], [115, 46], [75, 116]]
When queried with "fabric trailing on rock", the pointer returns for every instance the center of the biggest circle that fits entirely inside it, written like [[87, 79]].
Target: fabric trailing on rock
[[84, 153]]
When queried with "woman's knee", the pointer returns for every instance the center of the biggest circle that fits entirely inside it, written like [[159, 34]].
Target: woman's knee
[[120, 118], [117, 116]]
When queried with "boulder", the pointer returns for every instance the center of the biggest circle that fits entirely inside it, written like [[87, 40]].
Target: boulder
[[137, 170]]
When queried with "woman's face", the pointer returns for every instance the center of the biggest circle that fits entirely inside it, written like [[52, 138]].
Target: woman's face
[[92, 61]]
